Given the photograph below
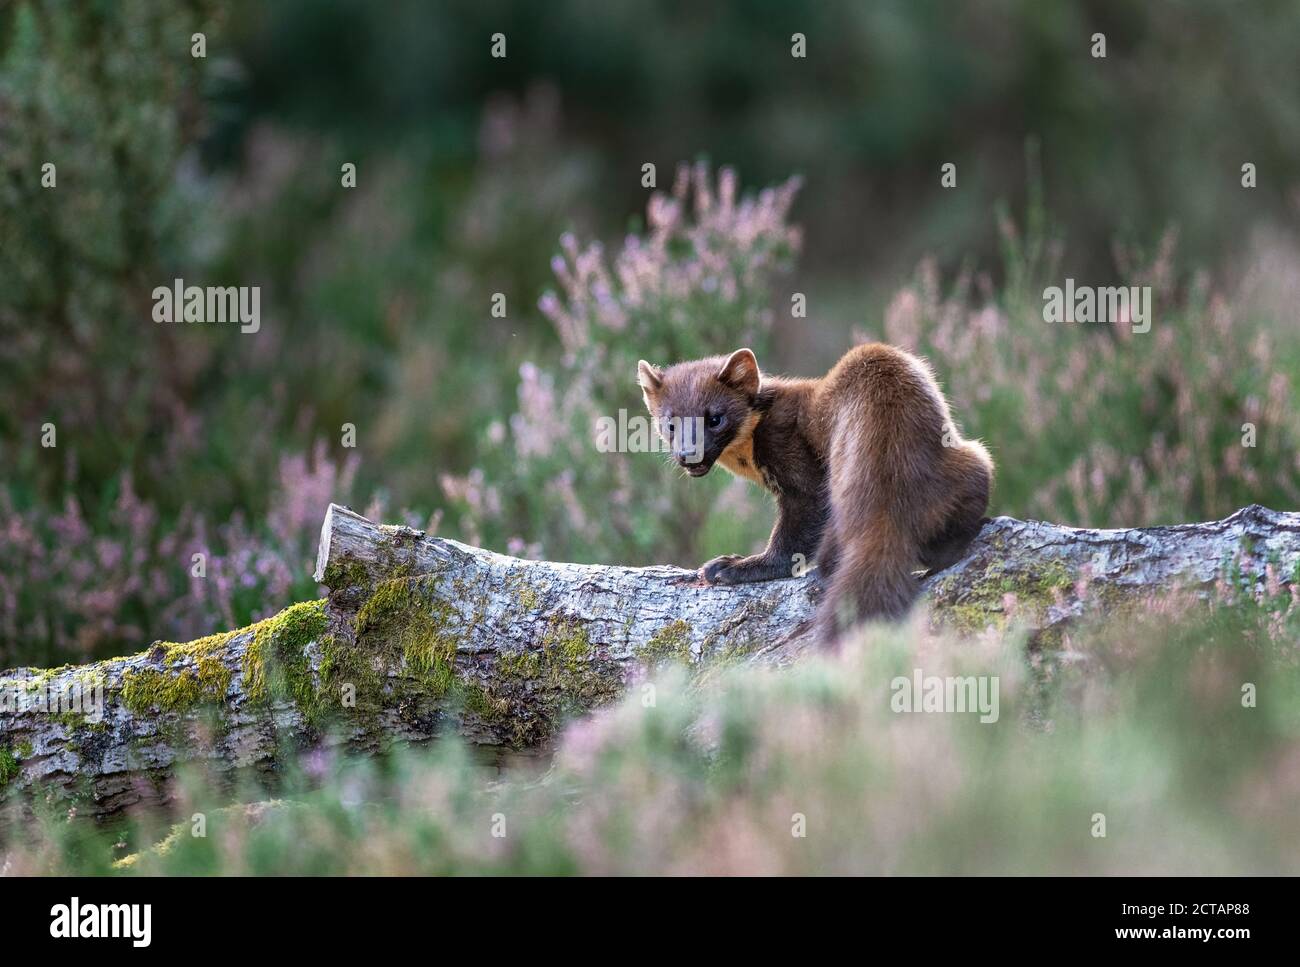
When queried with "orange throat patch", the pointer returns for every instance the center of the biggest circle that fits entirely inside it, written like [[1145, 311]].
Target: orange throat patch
[[739, 455]]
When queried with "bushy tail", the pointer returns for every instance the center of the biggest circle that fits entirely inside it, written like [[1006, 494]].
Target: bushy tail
[[873, 577], [895, 489]]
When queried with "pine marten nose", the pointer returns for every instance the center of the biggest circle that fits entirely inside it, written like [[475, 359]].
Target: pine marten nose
[[688, 444], [692, 463]]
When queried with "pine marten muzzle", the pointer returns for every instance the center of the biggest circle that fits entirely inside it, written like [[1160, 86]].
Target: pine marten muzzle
[[871, 478]]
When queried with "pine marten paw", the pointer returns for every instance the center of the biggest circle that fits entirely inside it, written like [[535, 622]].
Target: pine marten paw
[[715, 571]]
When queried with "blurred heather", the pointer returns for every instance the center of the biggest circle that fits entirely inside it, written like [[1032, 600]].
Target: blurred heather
[[522, 176]]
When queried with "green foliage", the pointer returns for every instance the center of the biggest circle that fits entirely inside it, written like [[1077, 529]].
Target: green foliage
[[890, 90], [101, 94]]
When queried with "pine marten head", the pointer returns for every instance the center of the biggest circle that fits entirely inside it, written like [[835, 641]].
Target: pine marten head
[[702, 407]]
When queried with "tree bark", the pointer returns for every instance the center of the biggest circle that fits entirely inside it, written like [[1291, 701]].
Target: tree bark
[[421, 636]]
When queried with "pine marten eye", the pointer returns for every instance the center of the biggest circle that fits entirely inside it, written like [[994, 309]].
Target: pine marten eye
[[715, 420]]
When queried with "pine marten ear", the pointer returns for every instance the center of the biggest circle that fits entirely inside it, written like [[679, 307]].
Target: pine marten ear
[[740, 371], [651, 379]]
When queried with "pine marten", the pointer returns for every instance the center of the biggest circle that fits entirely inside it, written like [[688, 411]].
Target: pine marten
[[869, 473]]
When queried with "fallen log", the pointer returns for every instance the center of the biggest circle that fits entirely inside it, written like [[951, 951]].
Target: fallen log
[[422, 636]]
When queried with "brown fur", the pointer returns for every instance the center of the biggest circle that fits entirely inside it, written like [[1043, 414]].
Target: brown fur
[[864, 483]]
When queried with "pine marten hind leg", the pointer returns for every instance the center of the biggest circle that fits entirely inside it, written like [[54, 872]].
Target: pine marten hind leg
[[828, 557], [965, 519], [949, 546]]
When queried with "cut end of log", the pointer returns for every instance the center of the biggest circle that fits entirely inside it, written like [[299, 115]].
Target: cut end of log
[[323, 547]]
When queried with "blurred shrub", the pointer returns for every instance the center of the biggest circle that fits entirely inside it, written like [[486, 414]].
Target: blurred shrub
[[1154, 133], [108, 94], [70, 592]]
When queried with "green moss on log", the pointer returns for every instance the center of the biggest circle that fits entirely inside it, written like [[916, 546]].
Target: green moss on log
[[346, 573], [8, 766], [172, 690], [404, 622], [970, 604], [671, 643], [275, 663], [537, 686]]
